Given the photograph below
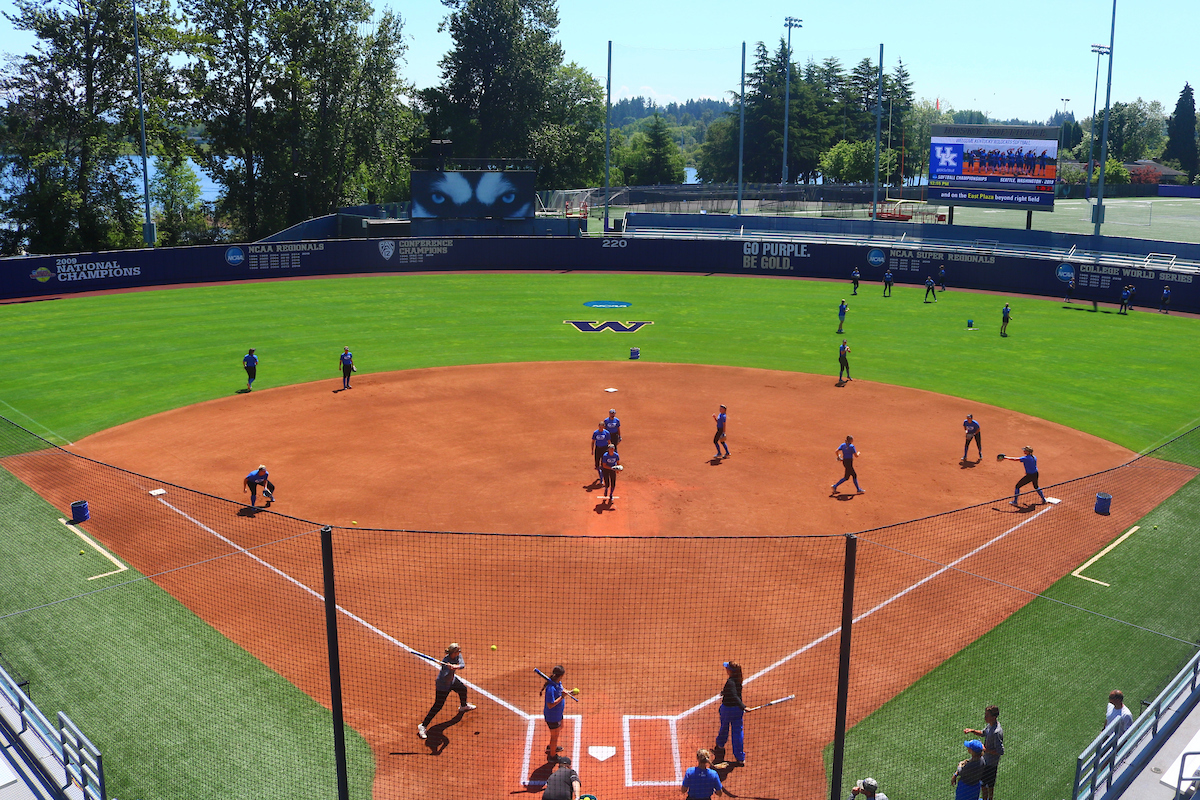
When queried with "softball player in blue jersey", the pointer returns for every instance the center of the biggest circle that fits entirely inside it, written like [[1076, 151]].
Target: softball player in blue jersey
[[1031, 475], [256, 479], [608, 467], [614, 426], [971, 426], [250, 364], [719, 440], [346, 361], [842, 309], [846, 453], [600, 441]]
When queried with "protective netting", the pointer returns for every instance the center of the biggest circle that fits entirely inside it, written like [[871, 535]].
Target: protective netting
[[195, 680]]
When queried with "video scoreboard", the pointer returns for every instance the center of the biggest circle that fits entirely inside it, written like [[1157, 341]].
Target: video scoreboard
[[993, 166]]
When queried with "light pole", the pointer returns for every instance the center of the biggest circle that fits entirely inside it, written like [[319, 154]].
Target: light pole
[[1099, 50], [1098, 209], [149, 229], [789, 23]]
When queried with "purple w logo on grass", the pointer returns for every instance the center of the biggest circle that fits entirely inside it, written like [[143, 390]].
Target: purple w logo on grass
[[593, 327]]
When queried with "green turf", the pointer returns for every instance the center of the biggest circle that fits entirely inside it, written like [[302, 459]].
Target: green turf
[[1044, 664], [178, 710], [88, 363]]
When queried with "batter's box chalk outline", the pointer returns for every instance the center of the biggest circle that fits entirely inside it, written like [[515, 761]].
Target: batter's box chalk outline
[[531, 726], [672, 724]]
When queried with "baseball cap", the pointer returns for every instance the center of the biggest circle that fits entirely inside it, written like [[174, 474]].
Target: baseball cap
[[870, 784], [973, 744], [566, 762]]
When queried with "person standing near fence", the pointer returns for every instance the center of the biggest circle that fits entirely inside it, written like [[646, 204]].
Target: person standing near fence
[[250, 364], [731, 713], [942, 277], [446, 682], [993, 749], [854, 276], [1124, 309], [887, 283], [1070, 290], [1164, 304], [967, 777], [1117, 710], [702, 781]]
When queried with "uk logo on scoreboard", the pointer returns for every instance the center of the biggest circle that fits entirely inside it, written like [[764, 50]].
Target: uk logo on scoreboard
[[945, 159]]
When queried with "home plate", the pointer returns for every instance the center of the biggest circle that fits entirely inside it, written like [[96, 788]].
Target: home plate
[[601, 752]]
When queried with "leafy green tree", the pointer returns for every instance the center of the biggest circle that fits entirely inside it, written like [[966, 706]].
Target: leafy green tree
[[918, 134], [718, 155], [71, 111], [1069, 173], [854, 162], [180, 214], [1114, 173], [1135, 130], [1181, 133], [569, 145], [496, 80]]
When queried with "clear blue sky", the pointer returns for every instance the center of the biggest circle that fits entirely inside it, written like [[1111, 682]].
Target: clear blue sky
[[1016, 58]]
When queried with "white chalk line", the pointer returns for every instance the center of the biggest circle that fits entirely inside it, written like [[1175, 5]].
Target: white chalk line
[[672, 720], [318, 596], [1078, 573], [576, 746], [40, 425], [91, 542]]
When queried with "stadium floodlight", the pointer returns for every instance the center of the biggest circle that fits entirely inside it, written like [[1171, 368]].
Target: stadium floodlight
[[789, 23], [1098, 209], [1099, 50]]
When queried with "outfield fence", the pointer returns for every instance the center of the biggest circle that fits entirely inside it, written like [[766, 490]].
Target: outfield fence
[[641, 624]]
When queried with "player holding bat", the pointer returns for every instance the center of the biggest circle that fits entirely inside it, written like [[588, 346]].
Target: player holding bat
[[553, 709]]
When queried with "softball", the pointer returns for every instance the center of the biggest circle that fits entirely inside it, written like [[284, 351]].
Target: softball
[[1155, 528], [575, 690], [495, 648], [81, 552]]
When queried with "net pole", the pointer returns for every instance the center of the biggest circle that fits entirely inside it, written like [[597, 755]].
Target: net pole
[[335, 666], [741, 129], [843, 690]]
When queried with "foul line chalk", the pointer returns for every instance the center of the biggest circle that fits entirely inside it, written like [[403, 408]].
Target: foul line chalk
[[318, 596], [119, 566], [1102, 554]]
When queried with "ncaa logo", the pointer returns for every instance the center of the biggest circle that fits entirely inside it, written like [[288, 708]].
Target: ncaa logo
[[234, 256], [1065, 272], [386, 249], [876, 258]]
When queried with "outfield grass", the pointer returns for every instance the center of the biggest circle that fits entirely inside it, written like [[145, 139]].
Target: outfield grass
[[178, 710], [1045, 663], [79, 365]]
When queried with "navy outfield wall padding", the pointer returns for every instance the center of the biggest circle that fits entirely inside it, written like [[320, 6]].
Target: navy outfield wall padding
[[41, 276]]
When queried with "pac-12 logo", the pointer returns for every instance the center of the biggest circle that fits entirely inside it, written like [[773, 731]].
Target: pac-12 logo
[[234, 256], [595, 327], [386, 249], [1065, 272], [876, 257]]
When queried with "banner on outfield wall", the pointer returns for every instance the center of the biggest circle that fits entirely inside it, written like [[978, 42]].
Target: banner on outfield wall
[[42, 276]]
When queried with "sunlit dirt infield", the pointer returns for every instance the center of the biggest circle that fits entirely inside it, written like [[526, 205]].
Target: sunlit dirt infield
[[506, 449]]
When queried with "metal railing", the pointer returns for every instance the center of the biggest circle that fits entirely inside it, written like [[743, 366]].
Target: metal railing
[[80, 760], [1194, 777], [1098, 764]]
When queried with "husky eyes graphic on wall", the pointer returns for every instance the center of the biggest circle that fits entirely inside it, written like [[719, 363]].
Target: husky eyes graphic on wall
[[472, 195]]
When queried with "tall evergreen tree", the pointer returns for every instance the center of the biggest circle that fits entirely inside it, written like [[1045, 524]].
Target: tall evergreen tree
[[1181, 133]]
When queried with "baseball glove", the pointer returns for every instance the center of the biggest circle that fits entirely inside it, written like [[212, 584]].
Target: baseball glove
[[1000, 456]]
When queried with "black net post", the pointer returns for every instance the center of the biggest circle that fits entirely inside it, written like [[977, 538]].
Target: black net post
[[335, 669], [839, 733]]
